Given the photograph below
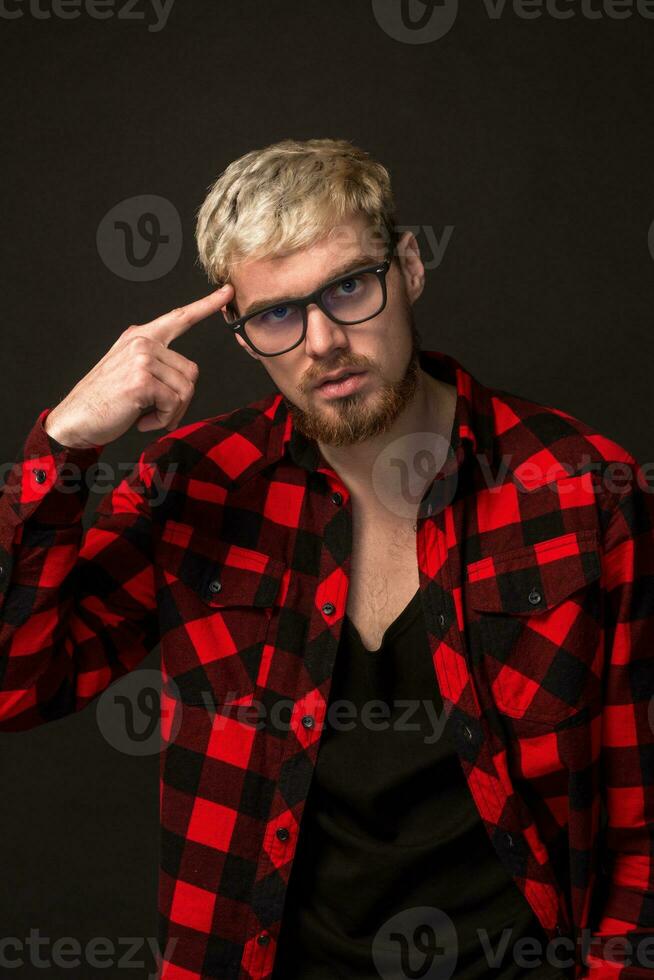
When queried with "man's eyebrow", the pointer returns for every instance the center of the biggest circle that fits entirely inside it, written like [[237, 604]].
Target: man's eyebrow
[[351, 265]]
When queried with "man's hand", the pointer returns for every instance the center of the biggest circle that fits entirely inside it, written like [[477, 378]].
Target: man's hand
[[137, 375]]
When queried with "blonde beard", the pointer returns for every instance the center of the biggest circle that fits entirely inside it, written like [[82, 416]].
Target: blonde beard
[[356, 422]]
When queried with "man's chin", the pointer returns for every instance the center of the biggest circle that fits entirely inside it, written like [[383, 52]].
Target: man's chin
[[355, 418], [328, 426]]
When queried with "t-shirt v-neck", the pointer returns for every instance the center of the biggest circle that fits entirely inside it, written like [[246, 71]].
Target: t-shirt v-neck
[[390, 828], [404, 619]]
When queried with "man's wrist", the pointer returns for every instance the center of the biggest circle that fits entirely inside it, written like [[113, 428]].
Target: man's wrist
[[65, 439]]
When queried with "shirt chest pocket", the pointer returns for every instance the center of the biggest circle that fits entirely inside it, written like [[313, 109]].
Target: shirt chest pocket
[[217, 603], [535, 613]]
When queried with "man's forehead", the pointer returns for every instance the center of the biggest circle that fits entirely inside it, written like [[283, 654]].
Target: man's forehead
[[300, 271]]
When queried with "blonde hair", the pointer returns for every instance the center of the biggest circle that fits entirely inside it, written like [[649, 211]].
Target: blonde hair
[[288, 196]]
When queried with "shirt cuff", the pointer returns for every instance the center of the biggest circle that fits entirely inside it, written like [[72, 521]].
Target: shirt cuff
[[36, 480]]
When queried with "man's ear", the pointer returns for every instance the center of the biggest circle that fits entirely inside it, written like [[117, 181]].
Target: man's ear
[[413, 270]]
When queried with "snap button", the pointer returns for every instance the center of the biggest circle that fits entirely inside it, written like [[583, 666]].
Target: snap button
[[308, 721], [282, 833], [534, 597], [40, 476], [441, 620], [467, 734], [215, 586], [263, 938], [337, 498], [328, 608]]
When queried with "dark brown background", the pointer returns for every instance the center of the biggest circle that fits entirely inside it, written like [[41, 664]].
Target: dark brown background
[[531, 138]]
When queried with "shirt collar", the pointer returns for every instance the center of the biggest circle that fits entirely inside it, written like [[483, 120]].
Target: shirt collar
[[472, 430]]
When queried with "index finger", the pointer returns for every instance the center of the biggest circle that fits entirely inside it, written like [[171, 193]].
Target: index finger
[[173, 324]]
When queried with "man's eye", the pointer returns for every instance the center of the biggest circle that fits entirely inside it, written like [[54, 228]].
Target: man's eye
[[278, 313], [346, 287]]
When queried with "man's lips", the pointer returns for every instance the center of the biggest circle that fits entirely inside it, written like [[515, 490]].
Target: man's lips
[[340, 377]]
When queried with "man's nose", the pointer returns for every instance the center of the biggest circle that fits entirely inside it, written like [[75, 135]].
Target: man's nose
[[323, 334]]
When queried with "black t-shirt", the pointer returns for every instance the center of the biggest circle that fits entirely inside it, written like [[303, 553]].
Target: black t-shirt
[[393, 866]]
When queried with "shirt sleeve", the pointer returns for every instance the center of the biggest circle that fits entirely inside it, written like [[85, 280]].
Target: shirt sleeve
[[621, 946], [77, 611]]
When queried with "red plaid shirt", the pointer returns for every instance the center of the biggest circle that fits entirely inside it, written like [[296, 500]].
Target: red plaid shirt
[[536, 558]]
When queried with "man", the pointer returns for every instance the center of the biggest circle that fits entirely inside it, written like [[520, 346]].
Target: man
[[406, 538]]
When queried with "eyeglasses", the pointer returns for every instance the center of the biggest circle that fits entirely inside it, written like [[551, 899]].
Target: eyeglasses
[[351, 298]]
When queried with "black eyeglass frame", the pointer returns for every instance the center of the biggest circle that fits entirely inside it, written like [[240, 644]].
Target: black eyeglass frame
[[380, 269]]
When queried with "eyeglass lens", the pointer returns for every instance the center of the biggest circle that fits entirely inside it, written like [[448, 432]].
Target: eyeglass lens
[[355, 298]]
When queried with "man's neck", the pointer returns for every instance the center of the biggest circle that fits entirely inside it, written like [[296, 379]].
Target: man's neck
[[431, 411]]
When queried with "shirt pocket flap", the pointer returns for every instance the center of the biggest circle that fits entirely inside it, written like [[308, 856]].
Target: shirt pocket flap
[[533, 579], [220, 573]]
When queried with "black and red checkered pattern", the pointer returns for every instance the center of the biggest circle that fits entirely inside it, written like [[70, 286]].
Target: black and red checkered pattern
[[229, 543]]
